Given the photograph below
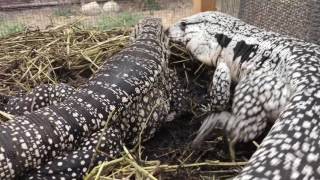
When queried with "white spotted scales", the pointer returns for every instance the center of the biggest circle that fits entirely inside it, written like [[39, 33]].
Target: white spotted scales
[[41, 96], [59, 141], [277, 81]]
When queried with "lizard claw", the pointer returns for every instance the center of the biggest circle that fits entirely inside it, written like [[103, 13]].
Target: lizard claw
[[213, 121]]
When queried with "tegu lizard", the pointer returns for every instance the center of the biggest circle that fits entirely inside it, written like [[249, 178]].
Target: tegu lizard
[[58, 141], [41, 96], [277, 80]]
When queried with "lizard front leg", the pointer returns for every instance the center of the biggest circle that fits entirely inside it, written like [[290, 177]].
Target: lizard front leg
[[259, 97], [219, 90]]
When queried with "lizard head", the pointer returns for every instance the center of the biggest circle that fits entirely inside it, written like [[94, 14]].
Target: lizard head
[[202, 35]]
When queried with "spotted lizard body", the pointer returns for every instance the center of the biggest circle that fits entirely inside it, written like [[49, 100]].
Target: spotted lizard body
[[41, 96], [277, 80], [58, 141]]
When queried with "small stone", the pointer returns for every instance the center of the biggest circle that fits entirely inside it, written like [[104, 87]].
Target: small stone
[[91, 9], [111, 6]]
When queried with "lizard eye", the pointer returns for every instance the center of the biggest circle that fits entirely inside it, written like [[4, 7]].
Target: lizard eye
[[267, 53], [183, 25]]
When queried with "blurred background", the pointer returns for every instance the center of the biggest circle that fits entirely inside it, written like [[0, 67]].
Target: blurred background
[[292, 17], [17, 15]]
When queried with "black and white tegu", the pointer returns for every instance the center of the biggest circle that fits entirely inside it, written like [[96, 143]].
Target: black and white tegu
[[59, 141], [40, 96], [277, 80]]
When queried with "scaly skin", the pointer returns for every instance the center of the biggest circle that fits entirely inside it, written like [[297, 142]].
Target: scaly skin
[[58, 141], [278, 80], [148, 109], [74, 164], [41, 96], [219, 98]]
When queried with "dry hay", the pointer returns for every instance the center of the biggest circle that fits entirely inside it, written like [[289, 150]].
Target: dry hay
[[61, 54], [131, 167]]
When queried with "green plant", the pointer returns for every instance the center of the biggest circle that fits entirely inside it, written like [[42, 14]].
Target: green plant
[[121, 20], [10, 27], [63, 11]]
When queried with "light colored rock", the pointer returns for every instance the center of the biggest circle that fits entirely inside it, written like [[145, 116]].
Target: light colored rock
[[91, 9], [111, 6]]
